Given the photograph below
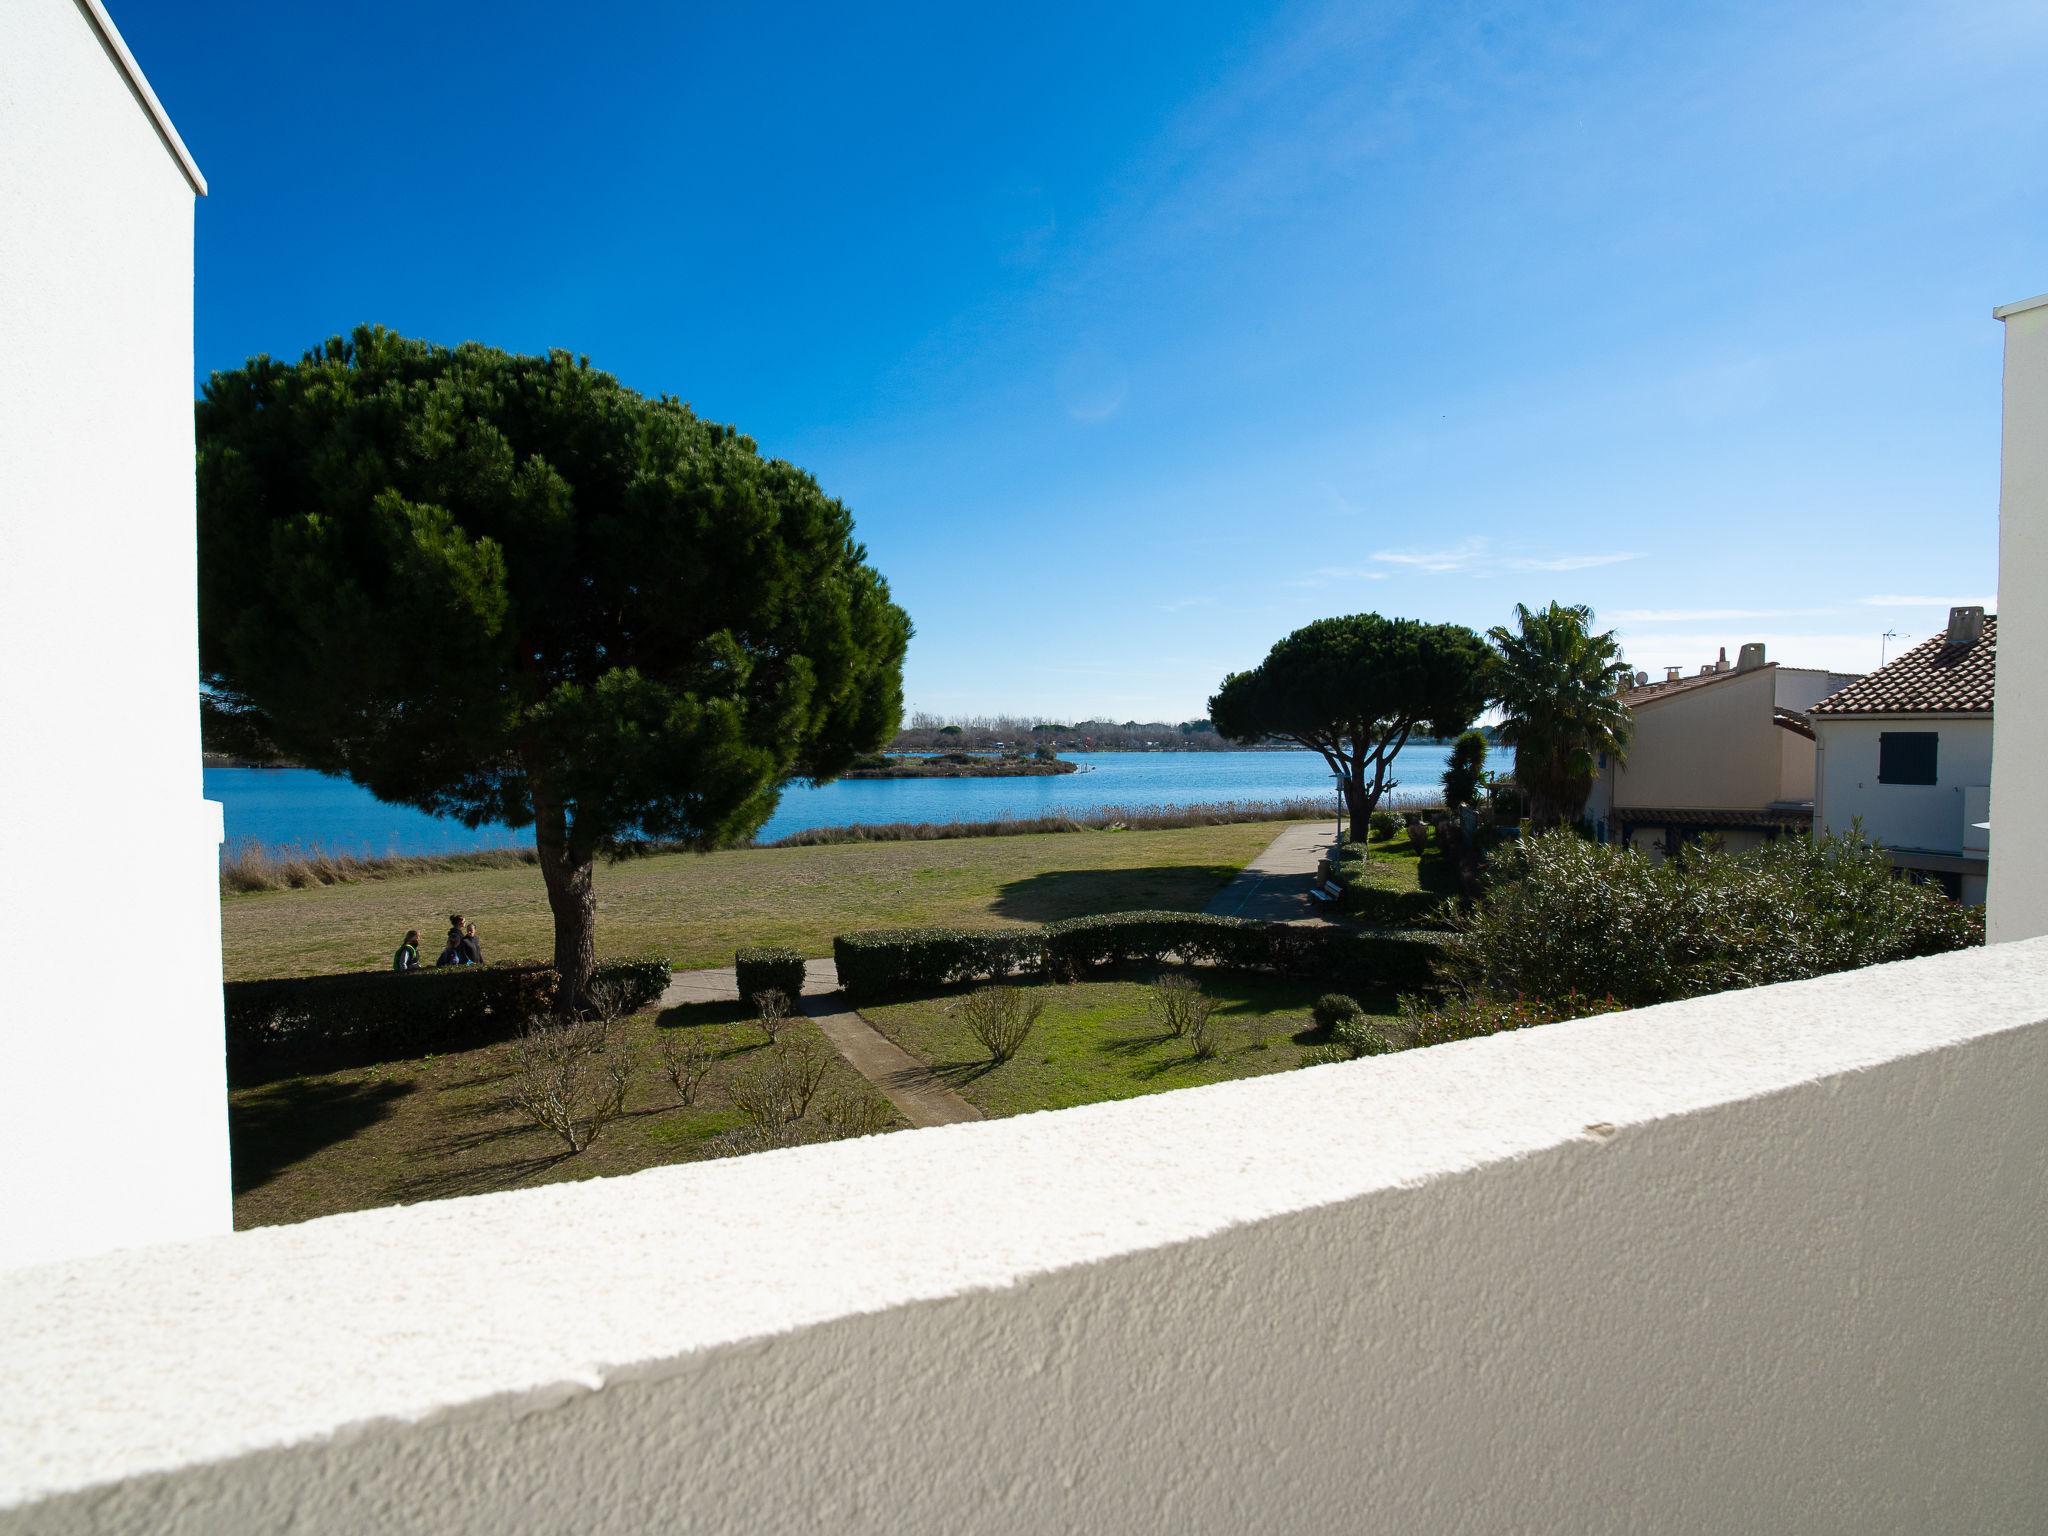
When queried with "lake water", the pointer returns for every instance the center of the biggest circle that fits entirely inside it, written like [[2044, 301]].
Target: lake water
[[298, 808]]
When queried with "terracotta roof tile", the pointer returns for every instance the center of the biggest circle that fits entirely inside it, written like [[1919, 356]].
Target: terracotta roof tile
[[1933, 678]]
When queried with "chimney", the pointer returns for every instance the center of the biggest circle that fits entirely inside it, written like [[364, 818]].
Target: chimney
[[1722, 664], [1750, 657], [1965, 626], [1706, 669], [1671, 674]]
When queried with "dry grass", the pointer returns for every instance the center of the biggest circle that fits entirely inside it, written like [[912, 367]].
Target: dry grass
[[696, 909]]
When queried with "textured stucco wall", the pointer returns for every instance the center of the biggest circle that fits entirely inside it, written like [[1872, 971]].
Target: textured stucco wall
[[109, 905], [1769, 1261], [1711, 746], [2018, 893], [1926, 817]]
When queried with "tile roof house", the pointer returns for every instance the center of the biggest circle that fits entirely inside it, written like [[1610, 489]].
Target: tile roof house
[[1726, 751], [1905, 754]]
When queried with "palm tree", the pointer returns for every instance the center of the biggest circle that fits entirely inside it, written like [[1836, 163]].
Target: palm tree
[[1558, 685]]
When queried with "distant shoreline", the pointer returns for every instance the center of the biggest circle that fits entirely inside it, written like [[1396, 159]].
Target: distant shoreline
[[1011, 768]]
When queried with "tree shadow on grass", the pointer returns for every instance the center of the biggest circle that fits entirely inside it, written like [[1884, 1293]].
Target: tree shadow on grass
[[276, 1127], [950, 1074], [1058, 893], [475, 1178]]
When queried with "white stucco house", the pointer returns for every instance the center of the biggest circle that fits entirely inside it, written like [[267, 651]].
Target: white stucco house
[[115, 1130], [1906, 754], [1725, 752]]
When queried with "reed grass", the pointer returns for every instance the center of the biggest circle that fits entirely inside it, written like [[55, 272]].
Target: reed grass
[[251, 866]]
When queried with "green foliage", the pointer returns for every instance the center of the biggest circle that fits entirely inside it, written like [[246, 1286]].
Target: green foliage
[[300, 1024], [905, 962], [1467, 766], [1355, 689], [1567, 919], [1375, 904], [619, 987], [768, 969], [1360, 1037], [894, 962], [1332, 1009], [1384, 825], [1467, 1016], [508, 588], [1558, 684], [323, 1023]]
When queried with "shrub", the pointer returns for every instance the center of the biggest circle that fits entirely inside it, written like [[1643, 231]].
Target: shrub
[[620, 987], [1001, 1018], [1205, 1030], [1467, 1016], [894, 961], [1181, 1007], [1332, 1009], [1418, 835], [324, 1023], [1384, 825], [1359, 1037], [570, 1078], [685, 1062], [771, 1012], [769, 970], [1464, 770], [1566, 918], [779, 1092]]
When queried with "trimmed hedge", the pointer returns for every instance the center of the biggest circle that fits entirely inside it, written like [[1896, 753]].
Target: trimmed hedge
[[290, 1025], [620, 987], [768, 969], [894, 962], [1380, 907], [889, 962]]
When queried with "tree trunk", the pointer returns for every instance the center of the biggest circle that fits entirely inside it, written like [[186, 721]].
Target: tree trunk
[[1360, 801], [565, 867]]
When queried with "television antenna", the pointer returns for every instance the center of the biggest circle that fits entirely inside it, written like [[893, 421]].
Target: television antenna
[[1883, 644]]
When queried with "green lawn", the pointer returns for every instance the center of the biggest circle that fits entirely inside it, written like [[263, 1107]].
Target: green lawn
[[1396, 866], [1099, 1040], [422, 1130], [694, 910]]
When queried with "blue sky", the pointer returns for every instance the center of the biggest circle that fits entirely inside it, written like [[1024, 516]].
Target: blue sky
[[1139, 334]]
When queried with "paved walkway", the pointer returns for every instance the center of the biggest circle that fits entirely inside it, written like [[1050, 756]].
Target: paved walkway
[[904, 1080], [1276, 885]]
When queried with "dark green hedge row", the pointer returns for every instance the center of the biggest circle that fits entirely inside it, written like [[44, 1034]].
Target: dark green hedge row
[[892, 961], [895, 962], [325, 1023], [767, 969]]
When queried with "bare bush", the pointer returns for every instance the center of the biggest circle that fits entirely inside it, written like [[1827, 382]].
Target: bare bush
[[570, 1078], [779, 1092], [1181, 1006], [1205, 1031], [684, 1062], [1001, 1018], [1256, 1029], [847, 1114], [771, 1012]]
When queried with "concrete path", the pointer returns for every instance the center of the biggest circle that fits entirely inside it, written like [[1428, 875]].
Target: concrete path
[[1276, 885], [904, 1080]]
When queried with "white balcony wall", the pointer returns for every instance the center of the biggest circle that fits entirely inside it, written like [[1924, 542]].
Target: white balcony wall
[[115, 1130], [2018, 898], [1768, 1261], [1925, 818]]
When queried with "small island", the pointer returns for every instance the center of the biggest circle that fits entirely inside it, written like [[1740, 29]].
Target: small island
[[959, 765]]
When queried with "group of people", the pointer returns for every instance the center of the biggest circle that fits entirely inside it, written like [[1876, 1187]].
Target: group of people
[[462, 947]]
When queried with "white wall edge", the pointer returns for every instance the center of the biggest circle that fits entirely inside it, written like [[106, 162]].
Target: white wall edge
[[2020, 307], [110, 35], [187, 1356]]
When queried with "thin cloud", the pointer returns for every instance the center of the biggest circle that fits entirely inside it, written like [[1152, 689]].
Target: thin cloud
[[1893, 600], [1706, 615], [1477, 557]]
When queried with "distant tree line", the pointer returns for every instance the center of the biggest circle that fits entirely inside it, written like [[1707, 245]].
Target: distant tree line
[[929, 732]]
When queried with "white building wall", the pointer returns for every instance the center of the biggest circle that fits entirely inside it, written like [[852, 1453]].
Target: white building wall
[[1925, 818], [1771, 1261], [115, 1130], [2018, 897]]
